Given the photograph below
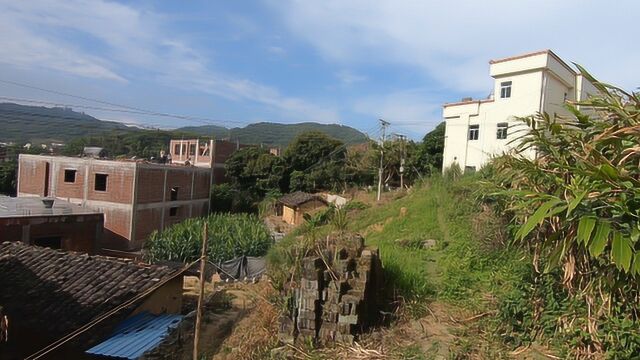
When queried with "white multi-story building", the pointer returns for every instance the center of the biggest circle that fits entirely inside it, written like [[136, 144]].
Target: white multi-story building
[[524, 85]]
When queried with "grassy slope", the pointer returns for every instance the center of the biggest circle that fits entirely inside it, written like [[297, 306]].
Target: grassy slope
[[466, 273], [463, 267]]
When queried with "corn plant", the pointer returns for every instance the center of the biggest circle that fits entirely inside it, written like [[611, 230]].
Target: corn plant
[[230, 236]]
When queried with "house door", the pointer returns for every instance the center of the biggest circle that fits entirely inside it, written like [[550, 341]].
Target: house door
[[47, 173]]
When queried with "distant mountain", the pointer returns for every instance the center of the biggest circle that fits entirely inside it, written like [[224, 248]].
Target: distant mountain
[[21, 123], [277, 134], [37, 124]]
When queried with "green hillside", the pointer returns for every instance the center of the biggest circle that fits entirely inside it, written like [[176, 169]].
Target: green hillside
[[21, 123], [278, 134]]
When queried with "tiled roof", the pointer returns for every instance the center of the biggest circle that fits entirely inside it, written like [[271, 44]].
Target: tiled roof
[[298, 198], [58, 291]]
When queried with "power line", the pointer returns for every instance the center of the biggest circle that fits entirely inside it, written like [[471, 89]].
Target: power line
[[145, 111]]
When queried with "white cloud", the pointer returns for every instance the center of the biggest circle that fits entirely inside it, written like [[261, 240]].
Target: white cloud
[[114, 41], [407, 111], [452, 41], [347, 77], [277, 50]]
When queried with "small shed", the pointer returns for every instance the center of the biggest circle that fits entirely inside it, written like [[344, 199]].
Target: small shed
[[293, 206]]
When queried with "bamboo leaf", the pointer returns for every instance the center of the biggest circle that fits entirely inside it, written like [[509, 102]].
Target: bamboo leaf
[[635, 267], [599, 240], [575, 202], [555, 256], [621, 251], [536, 218], [585, 227]]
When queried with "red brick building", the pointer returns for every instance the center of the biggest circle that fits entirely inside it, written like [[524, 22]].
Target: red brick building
[[61, 226], [210, 154], [136, 198]]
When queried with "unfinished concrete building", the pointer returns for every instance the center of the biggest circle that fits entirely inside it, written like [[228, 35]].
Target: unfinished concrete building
[[56, 224], [210, 154], [136, 198]]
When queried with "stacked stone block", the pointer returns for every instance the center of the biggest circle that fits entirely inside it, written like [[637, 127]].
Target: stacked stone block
[[339, 294]]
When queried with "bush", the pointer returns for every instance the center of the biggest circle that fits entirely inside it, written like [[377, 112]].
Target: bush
[[230, 236], [575, 207], [222, 198]]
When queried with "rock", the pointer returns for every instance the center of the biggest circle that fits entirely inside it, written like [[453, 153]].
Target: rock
[[429, 244], [403, 211]]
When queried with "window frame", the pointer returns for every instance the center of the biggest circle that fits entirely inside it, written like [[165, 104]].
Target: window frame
[[502, 130], [66, 177], [174, 193], [473, 129], [173, 211], [106, 182], [505, 89]]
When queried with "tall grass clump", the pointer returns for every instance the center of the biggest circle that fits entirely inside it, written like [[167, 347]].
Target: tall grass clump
[[230, 236], [576, 206]]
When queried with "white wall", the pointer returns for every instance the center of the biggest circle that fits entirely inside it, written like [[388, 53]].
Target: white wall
[[539, 84]]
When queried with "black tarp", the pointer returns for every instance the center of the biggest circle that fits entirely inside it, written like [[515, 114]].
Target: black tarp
[[242, 267]]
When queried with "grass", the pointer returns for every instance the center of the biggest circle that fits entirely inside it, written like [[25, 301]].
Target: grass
[[468, 271], [463, 267]]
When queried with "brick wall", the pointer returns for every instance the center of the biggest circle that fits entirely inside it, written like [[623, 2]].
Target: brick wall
[[201, 185], [119, 182], [117, 202], [73, 189], [78, 233], [150, 185], [32, 176], [147, 220]]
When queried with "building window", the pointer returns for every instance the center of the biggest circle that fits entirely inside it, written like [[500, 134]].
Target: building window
[[502, 130], [192, 149], [173, 211], [69, 176], [101, 182], [54, 242], [505, 89], [174, 193], [469, 169], [176, 149], [474, 132]]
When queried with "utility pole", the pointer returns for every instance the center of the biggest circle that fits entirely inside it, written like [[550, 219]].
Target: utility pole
[[384, 125], [402, 157], [203, 262]]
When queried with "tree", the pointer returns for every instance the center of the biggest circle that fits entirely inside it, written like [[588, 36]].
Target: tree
[[315, 161], [255, 170], [428, 155]]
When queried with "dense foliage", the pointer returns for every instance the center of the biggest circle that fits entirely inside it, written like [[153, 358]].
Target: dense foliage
[[315, 161], [576, 206], [255, 170], [8, 176], [428, 153], [275, 134], [142, 143], [230, 236]]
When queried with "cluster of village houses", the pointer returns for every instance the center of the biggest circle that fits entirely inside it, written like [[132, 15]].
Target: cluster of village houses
[[69, 240]]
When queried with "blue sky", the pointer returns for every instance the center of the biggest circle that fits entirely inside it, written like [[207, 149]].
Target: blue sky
[[333, 61]]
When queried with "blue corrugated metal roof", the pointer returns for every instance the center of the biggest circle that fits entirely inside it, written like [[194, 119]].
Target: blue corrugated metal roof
[[136, 335]]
